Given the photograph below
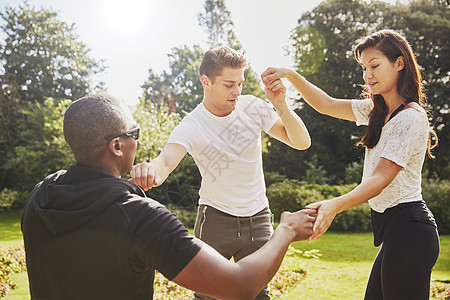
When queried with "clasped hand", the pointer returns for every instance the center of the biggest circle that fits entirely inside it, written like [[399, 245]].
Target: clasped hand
[[145, 176], [326, 211]]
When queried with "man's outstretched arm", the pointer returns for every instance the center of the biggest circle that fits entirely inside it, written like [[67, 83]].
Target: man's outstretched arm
[[154, 173], [211, 274]]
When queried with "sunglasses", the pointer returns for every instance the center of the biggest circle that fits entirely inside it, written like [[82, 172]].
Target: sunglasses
[[134, 133]]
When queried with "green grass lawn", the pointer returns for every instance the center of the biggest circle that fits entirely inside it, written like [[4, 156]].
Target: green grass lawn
[[341, 272]]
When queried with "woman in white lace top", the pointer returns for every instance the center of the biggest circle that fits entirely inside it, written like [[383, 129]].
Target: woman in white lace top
[[396, 142]]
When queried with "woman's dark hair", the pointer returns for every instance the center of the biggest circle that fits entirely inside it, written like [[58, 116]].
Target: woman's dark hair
[[409, 84]]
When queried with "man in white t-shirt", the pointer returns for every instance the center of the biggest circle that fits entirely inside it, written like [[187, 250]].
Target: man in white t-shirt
[[223, 135]]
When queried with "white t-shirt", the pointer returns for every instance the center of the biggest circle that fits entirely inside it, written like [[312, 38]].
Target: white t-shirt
[[227, 151], [403, 141]]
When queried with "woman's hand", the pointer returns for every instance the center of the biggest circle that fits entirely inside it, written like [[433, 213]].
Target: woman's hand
[[271, 74], [326, 211]]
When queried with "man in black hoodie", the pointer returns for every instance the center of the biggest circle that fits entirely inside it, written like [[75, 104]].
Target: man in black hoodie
[[91, 235]]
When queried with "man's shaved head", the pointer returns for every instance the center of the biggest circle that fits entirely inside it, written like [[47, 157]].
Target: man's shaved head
[[88, 120]]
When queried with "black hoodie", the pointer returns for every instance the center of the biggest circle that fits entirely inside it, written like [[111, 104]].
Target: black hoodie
[[90, 235]]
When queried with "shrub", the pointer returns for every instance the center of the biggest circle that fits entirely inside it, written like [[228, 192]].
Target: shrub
[[315, 173], [12, 199], [290, 195], [436, 194], [293, 195], [331, 191], [440, 290], [7, 198], [356, 219], [353, 172], [273, 177], [12, 260]]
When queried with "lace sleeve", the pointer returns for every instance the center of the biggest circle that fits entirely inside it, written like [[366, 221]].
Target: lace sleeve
[[407, 136], [361, 110]]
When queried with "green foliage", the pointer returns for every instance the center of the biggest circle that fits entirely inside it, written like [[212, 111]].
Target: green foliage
[[11, 199], [7, 198], [356, 219], [251, 85], [315, 173], [41, 55], [156, 126], [12, 261], [331, 191], [353, 172], [292, 195], [425, 24], [181, 187], [273, 177], [40, 148], [217, 23], [43, 67], [182, 82], [309, 47], [342, 24], [333, 145], [436, 194]]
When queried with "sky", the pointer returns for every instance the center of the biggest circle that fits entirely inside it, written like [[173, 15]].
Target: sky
[[134, 36]]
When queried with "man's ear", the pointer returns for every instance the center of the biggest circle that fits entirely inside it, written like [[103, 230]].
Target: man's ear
[[115, 146], [400, 63], [205, 81]]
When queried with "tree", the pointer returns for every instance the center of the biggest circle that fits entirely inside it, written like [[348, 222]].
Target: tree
[[45, 149], [42, 56], [182, 80], [427, 27], [44, 66], [217, 23], [322, 46], [181, 188]]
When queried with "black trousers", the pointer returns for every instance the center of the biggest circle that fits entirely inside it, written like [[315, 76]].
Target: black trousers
[[402, 268]]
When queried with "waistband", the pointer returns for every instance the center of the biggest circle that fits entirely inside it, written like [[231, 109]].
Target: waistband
[[265, 211]]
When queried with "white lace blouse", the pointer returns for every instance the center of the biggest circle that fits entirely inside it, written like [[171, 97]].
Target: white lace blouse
[[403, 141]]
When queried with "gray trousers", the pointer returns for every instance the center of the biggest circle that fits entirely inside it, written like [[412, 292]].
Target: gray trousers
[[233, 237]]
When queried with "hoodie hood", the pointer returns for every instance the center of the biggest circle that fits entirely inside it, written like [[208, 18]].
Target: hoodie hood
[[66, 200]]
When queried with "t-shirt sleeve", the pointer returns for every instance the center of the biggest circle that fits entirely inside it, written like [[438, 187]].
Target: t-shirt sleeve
[[361, 110], [407, 136], [163, 243], [268, 115], [181, 135]]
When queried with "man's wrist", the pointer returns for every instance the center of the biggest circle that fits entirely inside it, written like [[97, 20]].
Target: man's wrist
[[281, 108], [285, 231]]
